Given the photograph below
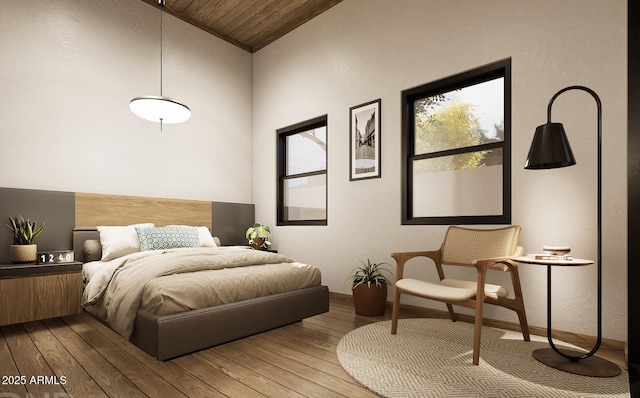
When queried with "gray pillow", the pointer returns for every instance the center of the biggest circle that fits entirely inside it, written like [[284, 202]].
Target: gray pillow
[[92, 250]]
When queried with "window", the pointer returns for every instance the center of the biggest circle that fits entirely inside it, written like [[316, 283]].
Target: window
[[456, 149], [302, 173]]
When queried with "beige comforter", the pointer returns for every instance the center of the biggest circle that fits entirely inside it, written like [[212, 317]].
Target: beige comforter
[[176, 280]]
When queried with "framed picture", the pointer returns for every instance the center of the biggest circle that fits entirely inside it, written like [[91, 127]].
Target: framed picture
[[364, 143]]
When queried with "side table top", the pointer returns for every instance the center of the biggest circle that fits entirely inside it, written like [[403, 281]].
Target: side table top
[[17, 270], [572, 262]]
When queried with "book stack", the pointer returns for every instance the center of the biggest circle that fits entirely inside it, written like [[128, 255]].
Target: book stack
[[553, 253], [550, 257]]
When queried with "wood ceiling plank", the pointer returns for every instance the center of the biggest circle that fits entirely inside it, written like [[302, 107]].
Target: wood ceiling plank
[[266, 19], [199, 9], [217, 17], [284, 25], [248, 24], [178, 5], [247, 13], [225, 7]]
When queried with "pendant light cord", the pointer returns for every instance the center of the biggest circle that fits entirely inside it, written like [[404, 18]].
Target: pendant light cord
[[161, 4]]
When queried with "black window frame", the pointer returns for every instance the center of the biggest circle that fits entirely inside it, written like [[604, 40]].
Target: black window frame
[[282, 134], [482, 74]]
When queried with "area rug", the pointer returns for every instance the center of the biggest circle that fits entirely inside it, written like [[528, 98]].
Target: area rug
[[432, 358]]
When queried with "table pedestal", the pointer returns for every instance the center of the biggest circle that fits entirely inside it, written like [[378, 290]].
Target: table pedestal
[[591, 366]]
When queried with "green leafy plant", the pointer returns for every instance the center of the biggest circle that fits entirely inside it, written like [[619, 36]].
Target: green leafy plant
[[260, 231], [368, 273], [24, 231]]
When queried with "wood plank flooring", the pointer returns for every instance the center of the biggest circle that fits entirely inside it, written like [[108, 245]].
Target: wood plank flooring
[[77, 356]]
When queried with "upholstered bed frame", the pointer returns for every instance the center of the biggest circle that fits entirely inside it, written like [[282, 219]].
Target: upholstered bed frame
[[170, 336]]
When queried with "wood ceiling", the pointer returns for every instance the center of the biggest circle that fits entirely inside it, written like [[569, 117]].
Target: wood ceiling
[[248, 24]]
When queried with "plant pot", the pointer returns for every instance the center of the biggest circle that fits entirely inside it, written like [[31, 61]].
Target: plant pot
[[258, 244], [370, 301], [23, 253]]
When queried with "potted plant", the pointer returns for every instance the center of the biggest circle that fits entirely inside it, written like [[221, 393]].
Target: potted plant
[[258, 236], [369, 287], [23, 249]]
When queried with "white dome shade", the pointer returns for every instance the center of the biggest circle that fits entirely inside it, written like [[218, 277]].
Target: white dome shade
[[159, 109]]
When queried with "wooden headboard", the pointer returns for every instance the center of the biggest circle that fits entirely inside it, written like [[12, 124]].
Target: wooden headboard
[[98, 209], [62, 211], [227, 221]]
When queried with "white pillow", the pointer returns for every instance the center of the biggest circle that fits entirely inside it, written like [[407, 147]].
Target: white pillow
[[118, 241], [204, 236], [206, 240]]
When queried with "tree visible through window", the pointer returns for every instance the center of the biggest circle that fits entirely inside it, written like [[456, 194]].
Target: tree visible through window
[[457, 149]]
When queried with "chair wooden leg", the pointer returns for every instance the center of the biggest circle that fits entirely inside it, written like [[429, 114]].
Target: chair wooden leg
[[524, 327], [477, 332], [394, 312], [478, 321], [522, 315], [452, 314]]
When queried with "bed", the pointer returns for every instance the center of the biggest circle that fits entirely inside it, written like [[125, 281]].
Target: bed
[[169, 333]]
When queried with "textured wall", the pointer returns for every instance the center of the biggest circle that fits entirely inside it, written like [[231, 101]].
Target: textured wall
[[68, 72], [361, 50]]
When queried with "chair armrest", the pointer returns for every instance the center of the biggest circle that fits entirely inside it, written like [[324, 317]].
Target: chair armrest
[[519, 252], [403, 257], [496, 263], [501, 263], [406, 256]]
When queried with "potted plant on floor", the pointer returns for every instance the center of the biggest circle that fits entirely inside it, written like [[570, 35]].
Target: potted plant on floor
[[258, 236], [23, 250], [369, 288]]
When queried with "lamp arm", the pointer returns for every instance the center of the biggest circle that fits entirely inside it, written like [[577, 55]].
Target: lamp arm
[[599, 261], [583, 88]]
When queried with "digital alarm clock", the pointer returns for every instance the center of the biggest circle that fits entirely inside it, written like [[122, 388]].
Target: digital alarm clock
[[55, 257]]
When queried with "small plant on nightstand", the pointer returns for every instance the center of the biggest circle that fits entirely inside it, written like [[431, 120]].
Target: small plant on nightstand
[[369, 288], [258, 236], [23, 250]]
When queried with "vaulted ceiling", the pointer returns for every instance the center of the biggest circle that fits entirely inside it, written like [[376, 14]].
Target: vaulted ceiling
[[248, 24]]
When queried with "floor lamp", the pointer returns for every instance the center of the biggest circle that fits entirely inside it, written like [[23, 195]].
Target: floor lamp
[[550, 149]]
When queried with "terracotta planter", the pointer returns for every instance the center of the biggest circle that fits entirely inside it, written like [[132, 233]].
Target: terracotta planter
[[23, 253], [370, 301]]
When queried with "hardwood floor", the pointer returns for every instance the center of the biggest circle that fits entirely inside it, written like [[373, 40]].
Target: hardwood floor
[[78, 356]]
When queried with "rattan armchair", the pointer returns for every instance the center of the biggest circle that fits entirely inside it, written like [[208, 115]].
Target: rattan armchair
[[484, 249]]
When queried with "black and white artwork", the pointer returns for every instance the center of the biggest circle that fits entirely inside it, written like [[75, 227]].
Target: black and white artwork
[[365, 140]]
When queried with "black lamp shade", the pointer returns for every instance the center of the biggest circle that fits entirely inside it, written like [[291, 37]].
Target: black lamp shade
[[550, 148]]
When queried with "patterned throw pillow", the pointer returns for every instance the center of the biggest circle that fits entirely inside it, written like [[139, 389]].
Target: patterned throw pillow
[[168, 237]]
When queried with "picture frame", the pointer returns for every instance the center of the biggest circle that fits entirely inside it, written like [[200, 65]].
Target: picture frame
[[364, 140]]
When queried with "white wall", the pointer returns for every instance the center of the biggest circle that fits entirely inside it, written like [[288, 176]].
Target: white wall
[[361, 50], [67, 73]]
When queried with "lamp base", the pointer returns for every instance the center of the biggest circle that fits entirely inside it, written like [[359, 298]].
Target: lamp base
[[592, 366]]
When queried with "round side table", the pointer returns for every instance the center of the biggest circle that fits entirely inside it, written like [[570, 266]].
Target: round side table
[[585, 364]]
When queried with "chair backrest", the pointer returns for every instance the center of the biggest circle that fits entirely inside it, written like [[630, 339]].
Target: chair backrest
[[463, 245]]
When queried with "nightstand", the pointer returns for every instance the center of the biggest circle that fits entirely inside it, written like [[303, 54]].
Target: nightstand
[[30, 292]]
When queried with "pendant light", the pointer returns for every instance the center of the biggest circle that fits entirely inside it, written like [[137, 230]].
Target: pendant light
[[160, 109]]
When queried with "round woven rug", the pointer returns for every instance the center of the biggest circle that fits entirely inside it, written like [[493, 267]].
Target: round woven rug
[[432, 358]]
